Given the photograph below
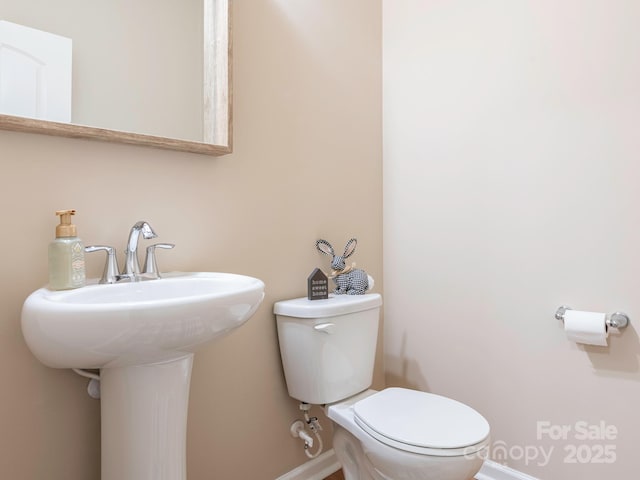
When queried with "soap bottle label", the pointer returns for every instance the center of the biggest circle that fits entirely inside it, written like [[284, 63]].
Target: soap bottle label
[[66, 264], [77, 265]]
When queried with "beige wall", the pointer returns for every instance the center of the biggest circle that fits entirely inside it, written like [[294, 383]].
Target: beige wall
[[511, 187], [307, 164]]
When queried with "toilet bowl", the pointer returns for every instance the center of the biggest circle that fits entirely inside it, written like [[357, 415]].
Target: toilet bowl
[[328, 353], [400, 434]]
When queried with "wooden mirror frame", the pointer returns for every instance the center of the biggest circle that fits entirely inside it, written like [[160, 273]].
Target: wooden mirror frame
[[218, 97]]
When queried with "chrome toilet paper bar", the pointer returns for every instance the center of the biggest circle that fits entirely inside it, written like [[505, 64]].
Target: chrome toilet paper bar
[[614, 320]]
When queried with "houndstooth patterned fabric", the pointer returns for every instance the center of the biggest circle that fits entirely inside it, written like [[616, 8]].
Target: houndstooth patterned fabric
[[355, 282], [352, 282]]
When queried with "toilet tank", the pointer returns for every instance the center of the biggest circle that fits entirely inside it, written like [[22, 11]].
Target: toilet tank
[[328, 346]]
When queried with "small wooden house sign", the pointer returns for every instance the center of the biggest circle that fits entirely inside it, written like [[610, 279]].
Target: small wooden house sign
[[317, 285]]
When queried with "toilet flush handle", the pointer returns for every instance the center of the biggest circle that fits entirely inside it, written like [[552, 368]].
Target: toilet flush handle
[[327, 328]]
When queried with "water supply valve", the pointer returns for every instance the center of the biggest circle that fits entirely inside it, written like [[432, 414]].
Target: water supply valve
[[298, 431]]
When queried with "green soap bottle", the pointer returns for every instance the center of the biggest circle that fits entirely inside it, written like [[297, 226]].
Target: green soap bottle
[[66, 255]]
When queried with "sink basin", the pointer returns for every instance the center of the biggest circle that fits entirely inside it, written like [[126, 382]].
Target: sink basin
[[141, 336], [100, 326]]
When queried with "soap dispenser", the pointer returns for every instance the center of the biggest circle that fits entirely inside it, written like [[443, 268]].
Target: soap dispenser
[[66, 255]]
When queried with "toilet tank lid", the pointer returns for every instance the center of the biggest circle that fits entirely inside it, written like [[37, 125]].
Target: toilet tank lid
[[333, 306]]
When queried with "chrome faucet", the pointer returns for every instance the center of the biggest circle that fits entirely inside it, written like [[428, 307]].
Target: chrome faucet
[[131, 263], [131, 271]]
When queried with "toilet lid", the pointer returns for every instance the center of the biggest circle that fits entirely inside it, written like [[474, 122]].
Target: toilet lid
[[420, 419]]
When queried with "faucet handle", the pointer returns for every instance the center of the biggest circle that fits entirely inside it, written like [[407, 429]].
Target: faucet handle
[[110, 273], [150, 266]]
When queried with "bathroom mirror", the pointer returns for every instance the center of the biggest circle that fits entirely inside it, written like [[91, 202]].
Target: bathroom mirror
[[183, 46]]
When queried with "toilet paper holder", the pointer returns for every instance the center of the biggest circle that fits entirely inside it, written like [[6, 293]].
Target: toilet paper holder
[[614, 320]]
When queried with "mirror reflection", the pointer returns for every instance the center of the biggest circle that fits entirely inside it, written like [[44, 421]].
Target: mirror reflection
[[145, 67]]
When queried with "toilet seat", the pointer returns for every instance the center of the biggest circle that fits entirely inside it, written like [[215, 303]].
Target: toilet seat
[[421, 422]]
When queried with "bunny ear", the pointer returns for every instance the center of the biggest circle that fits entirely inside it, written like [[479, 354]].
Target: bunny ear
[[325, 247], [350, 248]]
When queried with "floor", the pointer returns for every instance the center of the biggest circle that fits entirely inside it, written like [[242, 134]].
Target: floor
[[336, 476]]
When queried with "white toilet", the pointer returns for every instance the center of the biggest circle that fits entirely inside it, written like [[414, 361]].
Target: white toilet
[[328, 352]]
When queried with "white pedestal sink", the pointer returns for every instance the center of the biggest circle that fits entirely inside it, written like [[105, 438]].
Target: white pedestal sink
[[142, 337]]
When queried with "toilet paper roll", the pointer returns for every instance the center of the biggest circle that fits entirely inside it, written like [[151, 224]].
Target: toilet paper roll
[[589, 328]]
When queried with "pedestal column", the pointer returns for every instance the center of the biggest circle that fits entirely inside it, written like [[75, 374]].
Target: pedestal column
[[144, 420]]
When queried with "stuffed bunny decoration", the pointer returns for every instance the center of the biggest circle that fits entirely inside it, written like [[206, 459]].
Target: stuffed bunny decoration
[[349, 280]]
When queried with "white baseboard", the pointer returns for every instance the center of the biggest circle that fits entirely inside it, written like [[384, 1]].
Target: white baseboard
[[317, 469], [327, 463], [494, 471]]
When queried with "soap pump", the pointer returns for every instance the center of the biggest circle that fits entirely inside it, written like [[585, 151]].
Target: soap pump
[[66, 255]]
